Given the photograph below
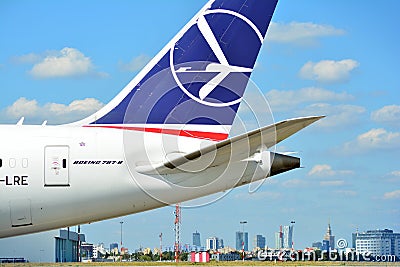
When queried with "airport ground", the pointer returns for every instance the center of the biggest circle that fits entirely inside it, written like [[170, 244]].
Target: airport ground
[[220, 263]]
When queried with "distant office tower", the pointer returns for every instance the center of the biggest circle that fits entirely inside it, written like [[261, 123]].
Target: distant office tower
[[220, 243], [328, 236], [325, 245], [287, 236], [214, 243], [196, 239], [113, 246], [317, 245], [259, 242], [240, 240], [378, 242], [278, 240], [353, 239]]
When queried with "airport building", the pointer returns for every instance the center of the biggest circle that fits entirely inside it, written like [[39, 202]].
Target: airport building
[[225, 256], [378, 242], [67, 246], [86, 252]]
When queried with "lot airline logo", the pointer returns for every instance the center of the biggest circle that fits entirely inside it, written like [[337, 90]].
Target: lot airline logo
[[207, 77]]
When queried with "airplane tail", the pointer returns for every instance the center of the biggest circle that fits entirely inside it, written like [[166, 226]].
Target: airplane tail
[[198, 79]]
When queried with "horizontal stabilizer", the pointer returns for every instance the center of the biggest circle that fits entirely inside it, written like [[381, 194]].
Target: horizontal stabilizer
[[233, 149]]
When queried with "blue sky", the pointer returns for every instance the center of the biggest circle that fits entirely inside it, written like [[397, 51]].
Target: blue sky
[[335, 57]]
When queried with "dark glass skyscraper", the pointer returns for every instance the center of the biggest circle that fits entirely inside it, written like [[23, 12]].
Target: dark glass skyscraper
[[259, 241], [239, 241], [196, 239]]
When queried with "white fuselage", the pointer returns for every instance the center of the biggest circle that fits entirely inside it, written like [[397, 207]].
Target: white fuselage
[[58, 176]]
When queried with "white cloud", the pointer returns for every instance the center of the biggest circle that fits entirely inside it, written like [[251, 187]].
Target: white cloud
[[395, 173], [374, 139], [394, 176], [387, 114], [86, 105], [332, 183], [336, 115], [135, 64], [392, 195], [321, 170], [294, 183], [346, 193], [68, 62], [22, 107], [300, 33], [55, 113], [286, 100], [325, 170], [28, 58], [328, 71]]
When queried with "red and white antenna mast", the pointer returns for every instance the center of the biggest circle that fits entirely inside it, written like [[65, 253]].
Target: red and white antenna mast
[[177, 231]]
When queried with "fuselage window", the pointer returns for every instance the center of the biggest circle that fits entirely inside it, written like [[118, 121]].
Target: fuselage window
[[1, 163], [24, 163], [12, 163]]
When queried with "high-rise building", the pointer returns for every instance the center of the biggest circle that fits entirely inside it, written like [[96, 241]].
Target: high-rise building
[[353, 239], [325, 245], [317, 245], [329, 237], [287, 236], [378, 242], [278, 240], [196, 239], [259, 242], [214, 243], [240, 240], [113, 247], [220, 243]]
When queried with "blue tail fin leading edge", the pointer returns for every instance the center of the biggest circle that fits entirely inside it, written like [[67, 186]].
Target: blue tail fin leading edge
[[198, 79]]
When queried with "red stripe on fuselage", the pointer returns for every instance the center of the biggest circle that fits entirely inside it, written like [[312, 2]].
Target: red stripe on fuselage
[[187, 133]]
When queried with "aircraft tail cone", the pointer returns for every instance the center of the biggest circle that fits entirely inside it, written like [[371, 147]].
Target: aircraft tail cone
[[282, 163]]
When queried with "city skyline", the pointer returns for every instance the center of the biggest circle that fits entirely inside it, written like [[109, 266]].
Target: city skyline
[[380, 245], [377, 242], [333, 58], [170, 247]]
